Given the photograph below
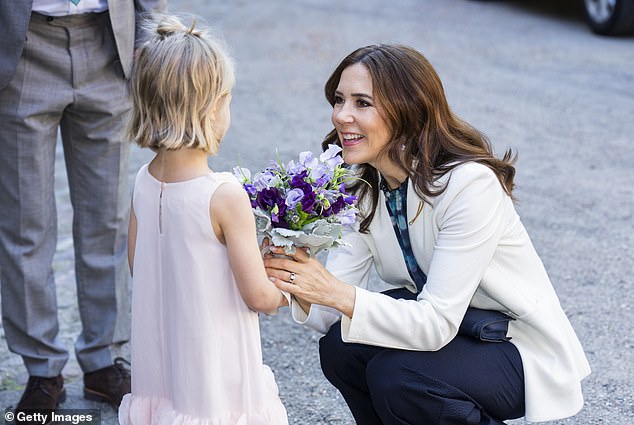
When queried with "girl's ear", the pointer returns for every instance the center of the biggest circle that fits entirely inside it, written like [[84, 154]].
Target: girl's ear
[[219, 103], [215, 107]]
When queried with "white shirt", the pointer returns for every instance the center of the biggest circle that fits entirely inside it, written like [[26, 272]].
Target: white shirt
[[66, 7]]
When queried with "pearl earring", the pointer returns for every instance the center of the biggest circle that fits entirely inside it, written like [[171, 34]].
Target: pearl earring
[[402, 146]]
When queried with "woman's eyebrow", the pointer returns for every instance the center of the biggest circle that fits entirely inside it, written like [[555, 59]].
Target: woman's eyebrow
[[363, 95]]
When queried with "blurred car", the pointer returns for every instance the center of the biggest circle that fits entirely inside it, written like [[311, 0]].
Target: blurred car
[[609, 17]]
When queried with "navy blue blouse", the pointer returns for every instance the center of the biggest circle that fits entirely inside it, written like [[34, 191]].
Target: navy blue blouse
[[396, 202]]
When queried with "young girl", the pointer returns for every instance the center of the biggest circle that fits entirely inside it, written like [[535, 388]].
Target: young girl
[[198, 276]]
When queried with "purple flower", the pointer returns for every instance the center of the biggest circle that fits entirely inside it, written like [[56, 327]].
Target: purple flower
[[308, 202], [349, 199], [331, 157], [338, 205], [298, 180], [242, 174], [300, 192], [322, 175], [293, 196], [293, 168], [265, 179], [348, 216], [268, 197], [308, 160], [251, 190]]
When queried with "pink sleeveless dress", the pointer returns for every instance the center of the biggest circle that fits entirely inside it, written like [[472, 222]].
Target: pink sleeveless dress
[[195, 349]]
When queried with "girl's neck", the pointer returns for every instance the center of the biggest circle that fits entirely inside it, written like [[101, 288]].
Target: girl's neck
[[179, 165]]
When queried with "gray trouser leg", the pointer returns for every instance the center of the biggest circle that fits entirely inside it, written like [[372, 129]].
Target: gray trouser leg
[[78, 85]]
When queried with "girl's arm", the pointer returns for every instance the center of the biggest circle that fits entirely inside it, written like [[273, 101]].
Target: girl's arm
[[234, 225], [131, 239]]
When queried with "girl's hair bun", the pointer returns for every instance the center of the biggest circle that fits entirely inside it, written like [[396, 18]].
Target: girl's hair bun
[[169, 25]]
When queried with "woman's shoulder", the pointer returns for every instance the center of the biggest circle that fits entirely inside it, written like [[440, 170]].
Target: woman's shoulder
[[469, 178], [467, 174], [467, 171]]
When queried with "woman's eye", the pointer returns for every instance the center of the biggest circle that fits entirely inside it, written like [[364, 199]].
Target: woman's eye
[[338, 100], [363, 103]]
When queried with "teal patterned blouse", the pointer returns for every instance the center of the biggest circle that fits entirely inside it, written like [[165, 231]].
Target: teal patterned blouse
[[396, 202]]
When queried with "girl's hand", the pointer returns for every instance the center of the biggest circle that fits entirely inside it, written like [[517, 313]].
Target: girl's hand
[[309, 281]]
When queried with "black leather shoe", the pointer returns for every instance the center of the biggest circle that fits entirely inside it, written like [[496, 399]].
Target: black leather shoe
[[109, 384], [41, 397]]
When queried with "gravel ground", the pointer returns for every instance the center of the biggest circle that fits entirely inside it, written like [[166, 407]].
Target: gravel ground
[[528, 74]]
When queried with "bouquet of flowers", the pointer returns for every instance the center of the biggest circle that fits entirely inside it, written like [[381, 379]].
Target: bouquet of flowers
[[303, 203]]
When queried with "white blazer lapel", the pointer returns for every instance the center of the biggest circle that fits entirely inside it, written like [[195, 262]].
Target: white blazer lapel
[[390, 264], [419, 221]]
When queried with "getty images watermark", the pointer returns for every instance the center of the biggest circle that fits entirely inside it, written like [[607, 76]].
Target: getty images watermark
[[59, 417]]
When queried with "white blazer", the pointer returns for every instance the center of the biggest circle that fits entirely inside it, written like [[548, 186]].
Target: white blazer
[[475, 251]]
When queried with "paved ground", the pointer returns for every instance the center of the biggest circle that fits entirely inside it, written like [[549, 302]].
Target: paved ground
[[528, 74]]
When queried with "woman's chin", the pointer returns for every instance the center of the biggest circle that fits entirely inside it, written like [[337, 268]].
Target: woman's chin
[[350, 157]]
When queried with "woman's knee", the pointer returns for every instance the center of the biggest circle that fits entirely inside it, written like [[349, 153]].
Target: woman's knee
[[389, 381], [331, 349], [401, 395], [400, 387], [343, 361]]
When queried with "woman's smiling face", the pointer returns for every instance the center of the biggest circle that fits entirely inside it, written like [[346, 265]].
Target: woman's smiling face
[[362, 130]]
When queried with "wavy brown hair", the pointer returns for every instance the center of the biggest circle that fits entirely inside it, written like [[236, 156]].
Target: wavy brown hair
[[427, 140]]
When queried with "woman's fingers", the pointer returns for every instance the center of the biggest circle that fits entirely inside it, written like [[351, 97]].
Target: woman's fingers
[[282, 285], [280, 274], [301, 254], [280, 263], [266, 252]]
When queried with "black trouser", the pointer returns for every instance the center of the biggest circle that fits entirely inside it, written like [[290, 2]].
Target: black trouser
[[466, 382]]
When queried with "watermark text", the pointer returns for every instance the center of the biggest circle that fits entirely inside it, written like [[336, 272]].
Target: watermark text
[[57, 417]]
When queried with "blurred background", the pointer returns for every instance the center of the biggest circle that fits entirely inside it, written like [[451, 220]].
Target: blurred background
[[531, 74]]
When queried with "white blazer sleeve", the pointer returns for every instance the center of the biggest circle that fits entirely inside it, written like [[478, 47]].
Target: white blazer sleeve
[[351, 264], [469, 217]]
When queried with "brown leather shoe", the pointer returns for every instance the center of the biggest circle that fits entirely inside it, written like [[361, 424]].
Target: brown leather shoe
[[109, 384], [42, 395]]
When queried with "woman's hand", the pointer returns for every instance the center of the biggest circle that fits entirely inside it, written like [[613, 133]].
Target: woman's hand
[[309, 281]]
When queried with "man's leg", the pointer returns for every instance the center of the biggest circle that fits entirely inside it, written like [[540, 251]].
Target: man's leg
[[96, 154], [30, 110]]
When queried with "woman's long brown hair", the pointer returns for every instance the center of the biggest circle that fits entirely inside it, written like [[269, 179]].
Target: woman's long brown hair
[[428, 140]]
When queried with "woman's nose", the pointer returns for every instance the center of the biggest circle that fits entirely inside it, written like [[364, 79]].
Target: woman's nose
[[342, 114]]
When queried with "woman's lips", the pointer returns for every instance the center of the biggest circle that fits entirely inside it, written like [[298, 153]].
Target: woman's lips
[[351, 139]]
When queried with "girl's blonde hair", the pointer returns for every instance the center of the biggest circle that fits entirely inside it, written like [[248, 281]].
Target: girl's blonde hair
[[180, 75]]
